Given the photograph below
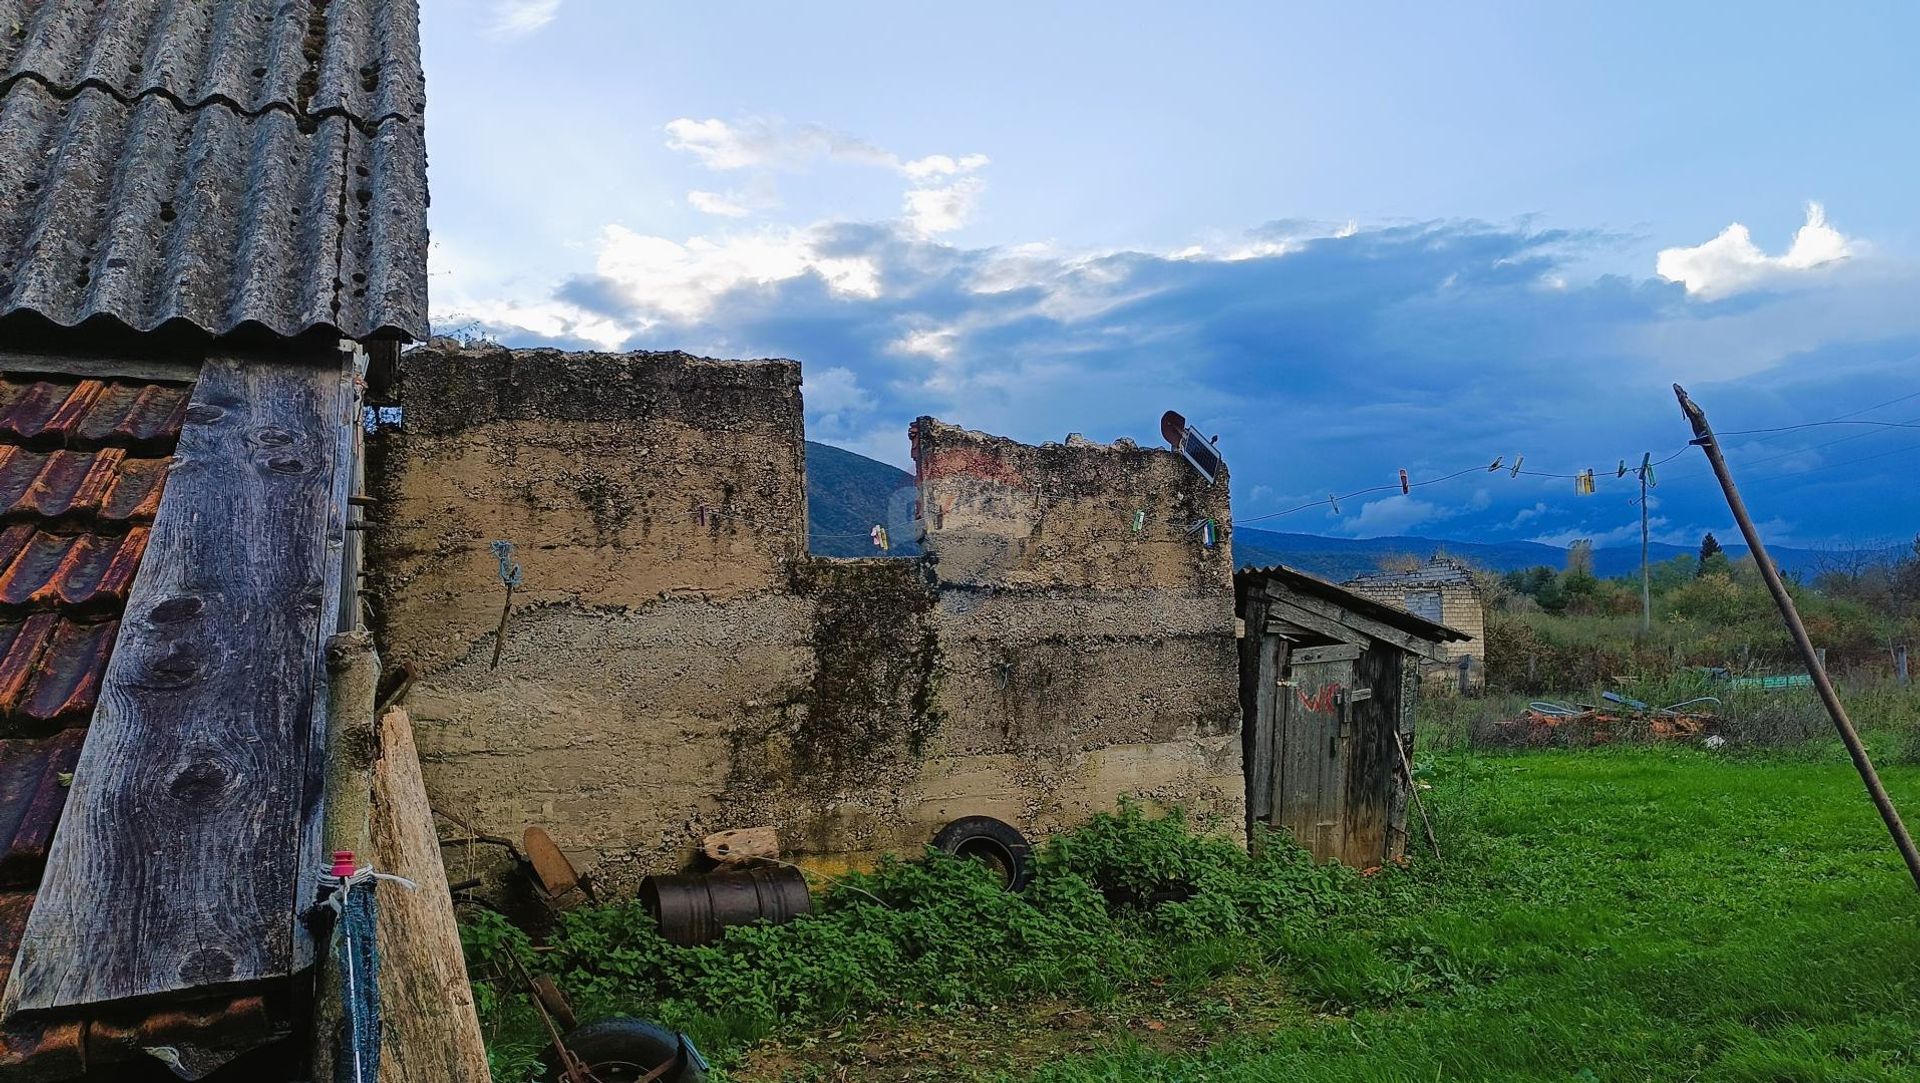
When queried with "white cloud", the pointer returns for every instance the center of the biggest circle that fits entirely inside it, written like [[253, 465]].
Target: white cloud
[[514, 18], [834, 399], [765, 143], [1525, 514], [1601, 539], [941, 165], [667, 279], [1392, 515], [1731, 262], [724, 206], [941, 210]]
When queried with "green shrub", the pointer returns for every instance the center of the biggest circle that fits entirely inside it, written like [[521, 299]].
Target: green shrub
[[1125, 900]]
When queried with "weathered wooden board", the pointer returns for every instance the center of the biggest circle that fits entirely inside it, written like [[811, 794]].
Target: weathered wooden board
[[1316, 623], [176, 863], [1309, 781], [1296, 607], [429, 1031], [1269, 661]]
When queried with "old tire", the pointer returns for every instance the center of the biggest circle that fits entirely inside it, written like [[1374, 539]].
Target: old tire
[[624, 1050], [994, 843]]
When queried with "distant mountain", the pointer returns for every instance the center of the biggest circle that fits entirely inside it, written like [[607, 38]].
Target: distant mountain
[[847, 494], [1343, 558]]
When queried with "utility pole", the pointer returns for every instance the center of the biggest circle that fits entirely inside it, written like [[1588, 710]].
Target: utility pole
[[1646, 580], [1703, 438]]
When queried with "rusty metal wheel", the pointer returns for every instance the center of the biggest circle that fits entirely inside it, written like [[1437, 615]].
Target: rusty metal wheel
[[626, 1050]]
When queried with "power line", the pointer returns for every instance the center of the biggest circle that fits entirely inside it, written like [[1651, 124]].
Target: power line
[[1333, 499]]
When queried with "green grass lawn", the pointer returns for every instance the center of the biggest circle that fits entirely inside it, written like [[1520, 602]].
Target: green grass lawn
[[1606, 914], [1619, 914]]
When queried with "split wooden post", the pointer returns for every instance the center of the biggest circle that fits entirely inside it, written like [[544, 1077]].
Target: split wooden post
[[430, 1032], [1703, 436]]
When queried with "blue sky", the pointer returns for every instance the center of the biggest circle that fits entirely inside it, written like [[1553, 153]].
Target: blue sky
[[1415, 238]]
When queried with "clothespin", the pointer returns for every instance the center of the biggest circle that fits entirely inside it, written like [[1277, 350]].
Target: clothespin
[[1494, 467], [1139, 519], [1404, 487], [879, 536], [1646, 469], [700, 514], [1208, 532], [1583, 483], [1331, 499], [1517, 460], [1622, 472]]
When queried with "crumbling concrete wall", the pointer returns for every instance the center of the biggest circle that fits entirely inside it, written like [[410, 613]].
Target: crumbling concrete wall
[[1086, 626], [657, 507], [675, 664]]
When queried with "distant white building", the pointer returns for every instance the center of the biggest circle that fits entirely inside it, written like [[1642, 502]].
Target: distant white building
[[1441, 590]]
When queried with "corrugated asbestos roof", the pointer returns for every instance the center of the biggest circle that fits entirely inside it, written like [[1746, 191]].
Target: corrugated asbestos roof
[[353, 58], [223, 164], [82, 467]]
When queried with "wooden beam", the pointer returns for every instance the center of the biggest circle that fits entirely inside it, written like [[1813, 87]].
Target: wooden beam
[[100, 368], [1386, 633], [176, 863], [353, 672], [1339, 652], [1317, 624], [429, 1030]]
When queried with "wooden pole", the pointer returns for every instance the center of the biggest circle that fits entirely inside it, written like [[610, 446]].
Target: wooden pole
[[1703, 436], [1413, 790], [1646, 583], [429, 1031]]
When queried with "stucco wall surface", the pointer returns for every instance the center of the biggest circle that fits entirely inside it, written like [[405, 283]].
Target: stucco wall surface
[[675, 664]]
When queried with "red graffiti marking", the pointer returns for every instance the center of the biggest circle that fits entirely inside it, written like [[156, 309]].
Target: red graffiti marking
[[1322, 701]]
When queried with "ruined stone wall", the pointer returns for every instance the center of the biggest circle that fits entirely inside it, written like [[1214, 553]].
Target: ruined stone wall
[[1086, 628], [676, 664], [657, 507]]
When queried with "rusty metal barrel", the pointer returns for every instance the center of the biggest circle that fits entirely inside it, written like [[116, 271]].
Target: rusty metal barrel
[[697, 908]]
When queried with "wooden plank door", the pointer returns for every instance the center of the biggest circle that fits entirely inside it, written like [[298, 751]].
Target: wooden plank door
[[1310, 777]]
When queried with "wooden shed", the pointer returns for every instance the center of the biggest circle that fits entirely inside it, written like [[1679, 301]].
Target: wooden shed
[[1328, 683]]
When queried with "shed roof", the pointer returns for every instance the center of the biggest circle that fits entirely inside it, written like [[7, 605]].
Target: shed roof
[[223, 165], [1393, 616]]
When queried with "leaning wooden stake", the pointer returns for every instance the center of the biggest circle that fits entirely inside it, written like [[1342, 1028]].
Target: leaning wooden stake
[[1703, 436], [1413, 791]]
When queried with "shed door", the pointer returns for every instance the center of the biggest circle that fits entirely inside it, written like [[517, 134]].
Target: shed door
[[1310, 750]]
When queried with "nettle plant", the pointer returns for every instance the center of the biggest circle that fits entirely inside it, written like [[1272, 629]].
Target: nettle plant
[[1115, 905]]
